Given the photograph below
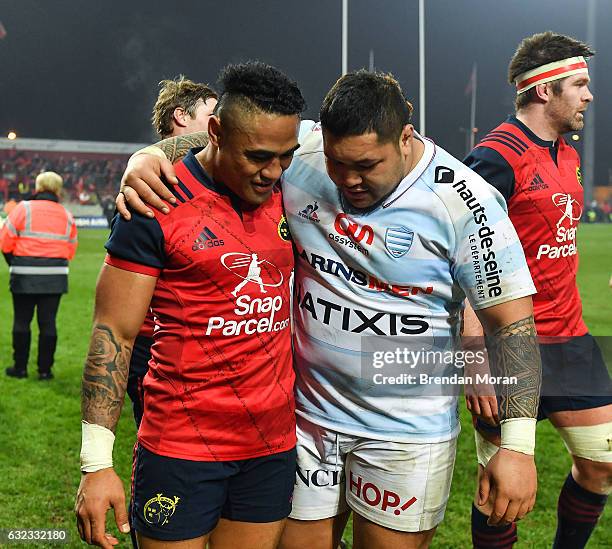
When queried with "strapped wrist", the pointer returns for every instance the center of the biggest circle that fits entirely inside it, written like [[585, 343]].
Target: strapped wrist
[[518, 434], [96, 447]]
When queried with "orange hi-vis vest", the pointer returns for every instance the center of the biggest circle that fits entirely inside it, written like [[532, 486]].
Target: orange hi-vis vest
[[38, 238]]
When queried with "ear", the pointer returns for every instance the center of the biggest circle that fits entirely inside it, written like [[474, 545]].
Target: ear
[[543, 92], [179, 117], [214, 130], [405, 142]]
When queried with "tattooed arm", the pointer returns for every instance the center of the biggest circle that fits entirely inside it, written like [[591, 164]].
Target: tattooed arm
[[141, 184], [508, 484], [122, 299], [177, 147], [514, 353]]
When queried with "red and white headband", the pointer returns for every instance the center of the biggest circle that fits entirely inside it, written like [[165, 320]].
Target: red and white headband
[[549, 72]]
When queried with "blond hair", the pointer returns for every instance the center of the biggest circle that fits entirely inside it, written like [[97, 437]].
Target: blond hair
[[50, 182], [180, 92]]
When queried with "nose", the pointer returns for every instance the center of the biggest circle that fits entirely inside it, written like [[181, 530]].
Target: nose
[[273, 170], [347, 178], [352, 179], [589, 96]]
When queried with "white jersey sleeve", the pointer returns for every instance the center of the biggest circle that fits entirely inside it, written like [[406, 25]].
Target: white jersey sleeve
[[487, 259]]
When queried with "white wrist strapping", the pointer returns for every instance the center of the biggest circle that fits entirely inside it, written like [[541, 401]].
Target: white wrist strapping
[[96, 447], [518, 434], [151, 149]]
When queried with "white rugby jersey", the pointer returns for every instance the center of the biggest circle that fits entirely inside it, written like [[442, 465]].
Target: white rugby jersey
[[366, 280]]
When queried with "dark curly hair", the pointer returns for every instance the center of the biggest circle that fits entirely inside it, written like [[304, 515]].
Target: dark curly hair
[[363, 102], [541, 49], [256, 86]]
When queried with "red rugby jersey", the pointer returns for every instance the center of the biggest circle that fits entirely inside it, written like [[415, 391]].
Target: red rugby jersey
[[220, 382], [542, 185]]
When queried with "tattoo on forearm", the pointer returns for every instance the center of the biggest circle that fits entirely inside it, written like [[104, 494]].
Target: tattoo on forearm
[[105, 378], [514, 352], [176, 148]]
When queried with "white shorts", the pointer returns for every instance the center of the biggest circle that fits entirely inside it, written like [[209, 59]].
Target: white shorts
[[400, 486]]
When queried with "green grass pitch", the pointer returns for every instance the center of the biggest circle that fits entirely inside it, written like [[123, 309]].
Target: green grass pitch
[[40, 422]]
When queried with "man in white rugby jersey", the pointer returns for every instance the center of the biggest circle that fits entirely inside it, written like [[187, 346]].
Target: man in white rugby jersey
[[391, 234]]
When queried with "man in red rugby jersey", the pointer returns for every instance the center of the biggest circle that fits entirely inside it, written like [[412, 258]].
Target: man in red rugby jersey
[[216, 447], [527, 159]]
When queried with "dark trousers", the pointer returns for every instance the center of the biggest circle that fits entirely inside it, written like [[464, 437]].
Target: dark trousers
[[46, 306]]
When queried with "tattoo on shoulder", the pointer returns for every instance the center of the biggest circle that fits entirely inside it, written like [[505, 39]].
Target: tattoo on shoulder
[[177, 147], [514, 353], [105, 378]]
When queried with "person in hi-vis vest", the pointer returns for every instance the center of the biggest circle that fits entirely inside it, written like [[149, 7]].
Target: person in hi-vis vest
[[38, 239]]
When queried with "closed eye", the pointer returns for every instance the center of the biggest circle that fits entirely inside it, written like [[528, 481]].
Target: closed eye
[[259, 157]]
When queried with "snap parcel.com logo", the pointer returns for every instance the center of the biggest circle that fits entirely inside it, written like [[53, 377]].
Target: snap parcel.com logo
[[254, 314], [248, 267], [571, 212]]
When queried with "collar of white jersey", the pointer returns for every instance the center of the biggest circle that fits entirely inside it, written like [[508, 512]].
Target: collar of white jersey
[[416, 172]]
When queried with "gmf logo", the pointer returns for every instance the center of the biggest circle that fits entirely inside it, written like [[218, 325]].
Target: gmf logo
[[355, 232]]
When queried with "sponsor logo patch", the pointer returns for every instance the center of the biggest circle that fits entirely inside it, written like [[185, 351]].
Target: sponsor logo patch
[[569, 206], [385, 500], [357, 321], [361, 278], [566, 235], [537, 184], [283, 229], [250, 268], [310, 213], [444, 175], [207, 239], [159, 509], [319, 478], [398, 240], [351, 234]]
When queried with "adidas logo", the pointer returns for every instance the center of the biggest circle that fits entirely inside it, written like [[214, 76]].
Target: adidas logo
[[537, 184], [207, 239]]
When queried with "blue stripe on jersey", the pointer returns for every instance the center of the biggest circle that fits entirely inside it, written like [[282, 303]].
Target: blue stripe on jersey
[[178, 196], [503, 141], [187, 192], [507, 135], [140, 241]]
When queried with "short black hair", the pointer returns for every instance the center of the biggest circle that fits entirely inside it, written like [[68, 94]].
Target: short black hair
[[364, 102], [540, 49], [258, 86]]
